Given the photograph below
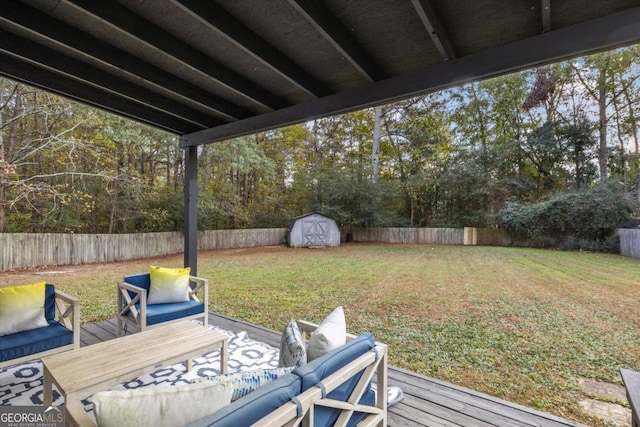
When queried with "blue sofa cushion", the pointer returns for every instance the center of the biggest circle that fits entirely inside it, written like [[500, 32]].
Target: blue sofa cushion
[[158, 313], [256, 405], [315, 371], [49, 302], [34, 341]]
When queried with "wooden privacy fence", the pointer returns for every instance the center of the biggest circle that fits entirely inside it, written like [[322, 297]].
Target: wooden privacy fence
[[629, 242], [629, 239], [229, 239], [409, 235], [19, 250], [495, 237]]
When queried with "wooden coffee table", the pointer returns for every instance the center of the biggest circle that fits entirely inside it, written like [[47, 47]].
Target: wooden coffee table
[[80, 373]]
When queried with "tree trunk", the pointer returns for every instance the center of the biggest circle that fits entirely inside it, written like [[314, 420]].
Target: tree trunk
[[4, 179], [602, 110], [6, 149], [205, 165], [634, 134], [3, 197], [375, 151]]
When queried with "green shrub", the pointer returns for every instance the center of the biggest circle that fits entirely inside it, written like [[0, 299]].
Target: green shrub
[[585, 220]]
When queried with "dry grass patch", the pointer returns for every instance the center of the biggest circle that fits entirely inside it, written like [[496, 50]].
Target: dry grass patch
[[524, 325]]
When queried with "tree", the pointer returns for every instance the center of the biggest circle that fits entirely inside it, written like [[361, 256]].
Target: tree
[[234, 189], [452, 158], [606, 77], [579, 142], [43, 163]]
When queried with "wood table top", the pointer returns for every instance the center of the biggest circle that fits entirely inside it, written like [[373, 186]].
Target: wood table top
[[122, 359]]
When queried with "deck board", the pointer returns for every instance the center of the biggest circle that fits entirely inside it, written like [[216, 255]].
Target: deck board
[[427, 402]]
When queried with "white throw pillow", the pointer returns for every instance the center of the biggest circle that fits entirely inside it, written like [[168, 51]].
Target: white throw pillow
[[330, 334], [162, 405], [22, 308]]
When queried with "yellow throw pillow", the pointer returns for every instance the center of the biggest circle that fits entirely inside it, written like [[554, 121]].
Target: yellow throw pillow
[[22, 308], [168, 285]]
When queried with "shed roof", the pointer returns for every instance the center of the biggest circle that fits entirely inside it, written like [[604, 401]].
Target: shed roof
[[211, 70], [294, 219]]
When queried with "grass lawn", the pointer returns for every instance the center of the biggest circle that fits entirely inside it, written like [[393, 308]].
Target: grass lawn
[[520, 324]]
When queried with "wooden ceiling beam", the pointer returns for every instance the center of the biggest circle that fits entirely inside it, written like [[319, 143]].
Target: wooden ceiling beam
[[126, 21], [215, 17], [587, 37], [56, 83], [435, 28], [319, 15], [546, 15], [41, 24], [47, 58]]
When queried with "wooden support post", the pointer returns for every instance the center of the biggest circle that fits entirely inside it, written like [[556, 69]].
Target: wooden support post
[[191, 209]]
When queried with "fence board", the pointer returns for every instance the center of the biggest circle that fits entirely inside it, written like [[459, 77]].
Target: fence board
[[629, 242], [409, 235], [20, 250]]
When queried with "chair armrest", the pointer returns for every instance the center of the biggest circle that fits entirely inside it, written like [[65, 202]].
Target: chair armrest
[[201, 284], [126, 303], [123, 291], [66, 297], [132, 288], [71, 309]]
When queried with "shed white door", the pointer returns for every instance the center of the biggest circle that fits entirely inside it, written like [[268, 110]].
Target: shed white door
[[314, 232]]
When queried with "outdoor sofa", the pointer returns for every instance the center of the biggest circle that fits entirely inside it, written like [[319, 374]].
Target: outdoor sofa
[[332, 390]]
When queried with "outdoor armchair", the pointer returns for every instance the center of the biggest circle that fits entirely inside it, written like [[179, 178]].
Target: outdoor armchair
[[135, 308], [58, 331]]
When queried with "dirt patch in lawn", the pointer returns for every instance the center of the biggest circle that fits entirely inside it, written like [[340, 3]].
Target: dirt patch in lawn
[[116, 268]]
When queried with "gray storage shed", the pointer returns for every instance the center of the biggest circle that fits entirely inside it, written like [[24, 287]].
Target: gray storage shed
[[313, 230]]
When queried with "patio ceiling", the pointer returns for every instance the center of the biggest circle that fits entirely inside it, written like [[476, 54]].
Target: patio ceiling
[[211, 70]]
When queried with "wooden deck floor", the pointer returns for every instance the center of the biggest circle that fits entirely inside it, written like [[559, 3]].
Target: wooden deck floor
[[427, 402]]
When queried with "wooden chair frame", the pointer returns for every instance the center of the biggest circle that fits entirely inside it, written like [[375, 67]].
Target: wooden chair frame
[[67, 312], [127, 304], [374, 364]]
